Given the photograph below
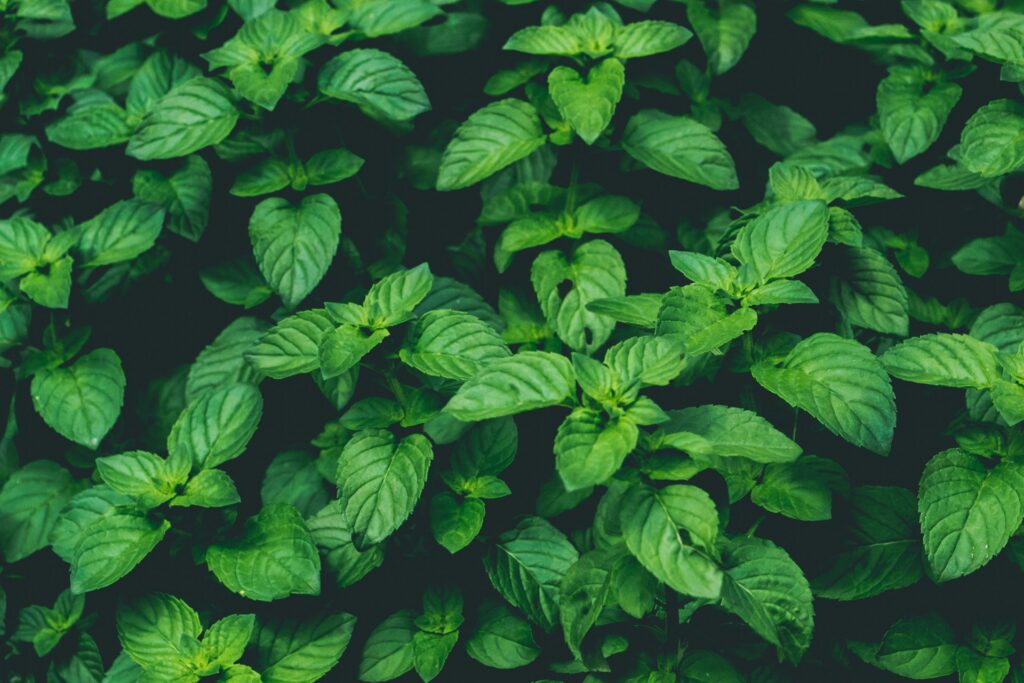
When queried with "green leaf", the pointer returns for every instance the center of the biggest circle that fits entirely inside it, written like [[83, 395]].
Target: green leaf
[[968, 511], [455, 521], [728, 432], [30, 502], [120, 233], [919, 647], [292, 347], [301, 650], [680, 147], [527, 565], [584, 591], [452, 344], [333, 534], [588, 106], [526, 381], [589, 449], [236, 282], [881, 547], [596, 271], [698, 316], [292, 477], [765, 588], [147, 477], [91, 125], [264, 57], [912, 111], [383, 17], [388, 652], [224, 361], [379, 482], [545, 40], [799, 490], [646, 361], [342, 349], [870, 294], [208, 489], [376, 81], [645, 38], [103, 541], [841, 384], [725, 32], [392, 299], [501, 640], [430, 652], [950, 360], [783, 241], [652, 520], [153, 631], [195, 114], [992, 142], [492, 138], [294, 246], [184, 194], [82, 401], [275, 557], [217, 426]]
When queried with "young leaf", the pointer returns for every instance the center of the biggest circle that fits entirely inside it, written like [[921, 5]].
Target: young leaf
[[217, 426], [588, 105]]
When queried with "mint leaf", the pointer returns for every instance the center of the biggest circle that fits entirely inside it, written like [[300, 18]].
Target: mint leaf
[[82, 401]]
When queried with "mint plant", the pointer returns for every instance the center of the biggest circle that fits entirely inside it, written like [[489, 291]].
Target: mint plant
[[645, 341]]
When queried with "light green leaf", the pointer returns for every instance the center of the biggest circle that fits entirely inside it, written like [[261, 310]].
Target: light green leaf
[[992, 142], [452, 344], [841, 384], [492, 138], [912, 110], [526, 381], [589, 449], [800, 490], [91, 125], [918, 647], [342, 349], [384, 17], [333, 535], [301, 650], [195, 114], [379, 482], [30, 502], [715, 430], [870, 294], [588, 106], [217, 426], [392, 299], [294, 246], [275, 557], [144, 476], [698, 316], [652, 520], [292, 347], [724, 32], [765, 588], [224, 361], [388, 652], [455, 521], [545, 40], [82, 401], [208, 489], [110, 547], [968, 511], [153, 629], [120, 232], [783, 241], [596, 271], [680, 147], [376, 81], [430, 652], [527, 565], [501, 640], [645, 38], [950, 360]]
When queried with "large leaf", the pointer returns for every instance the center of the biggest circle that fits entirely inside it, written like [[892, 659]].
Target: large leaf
[[715, 430], [767, 589], [30, 502], [291, 347], [841, 384], [950, 360], [452, 344], [293, 245], [82, 401], [501, 640], [913, 111], [653, 525], [870, 294], [301, 650], [588, 105], [783, 241], [595, 270], [525, 381], [500, 134], [380, 482], [527, 565], [273, 558], [197, 113], [680, 147], [376, 81], [968, 511], [217, 426], [992, 142], [724, 32]]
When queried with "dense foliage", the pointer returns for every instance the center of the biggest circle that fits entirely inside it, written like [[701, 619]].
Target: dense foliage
[[465, 340]]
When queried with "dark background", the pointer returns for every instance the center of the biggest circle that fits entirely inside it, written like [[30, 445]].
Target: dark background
[[163, 321]]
